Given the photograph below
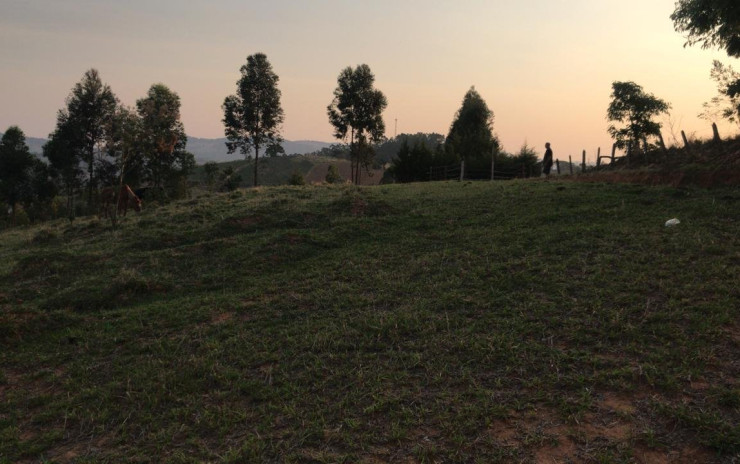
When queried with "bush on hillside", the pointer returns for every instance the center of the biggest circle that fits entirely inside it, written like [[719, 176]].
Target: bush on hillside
[[296, 179], [333, 176]]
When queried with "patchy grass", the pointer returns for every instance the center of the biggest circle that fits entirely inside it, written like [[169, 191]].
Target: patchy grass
[[440, 322]]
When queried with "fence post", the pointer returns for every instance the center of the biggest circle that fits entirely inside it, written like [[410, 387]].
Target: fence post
[[716, 133], [493, 163], [462, 170], [570, 162], [662, 143], [685, 140], [557, 164], [583, 163], [614, 151]]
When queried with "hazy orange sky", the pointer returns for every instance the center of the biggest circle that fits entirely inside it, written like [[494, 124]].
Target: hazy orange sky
[[545, 67]]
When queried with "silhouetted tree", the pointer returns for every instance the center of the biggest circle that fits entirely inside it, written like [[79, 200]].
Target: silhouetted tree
[[210, 169], [42, 190], [471, 133], [16, 162], [634, 108], [388, 149], [63, 151], [332, 175], [253, 116], [412, 163], [230, 179], [727, 103], [126, 146], [90, 107], [356, 112], [162, 137], [713, 23]]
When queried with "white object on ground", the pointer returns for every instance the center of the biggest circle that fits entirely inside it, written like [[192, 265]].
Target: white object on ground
[[672, 222]]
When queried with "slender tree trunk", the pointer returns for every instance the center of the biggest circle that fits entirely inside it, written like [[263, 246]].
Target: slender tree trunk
[[91, 173], [256, 162]]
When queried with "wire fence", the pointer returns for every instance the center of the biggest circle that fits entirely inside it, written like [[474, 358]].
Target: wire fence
[[460, 172]]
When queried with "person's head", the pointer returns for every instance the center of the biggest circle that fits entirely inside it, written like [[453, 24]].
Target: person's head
[[547, 145]]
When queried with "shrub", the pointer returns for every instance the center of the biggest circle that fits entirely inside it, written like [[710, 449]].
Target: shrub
[[332, 175], [296, 179]]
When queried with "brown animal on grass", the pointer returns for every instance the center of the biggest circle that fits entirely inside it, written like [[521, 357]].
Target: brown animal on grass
[[126, 198]]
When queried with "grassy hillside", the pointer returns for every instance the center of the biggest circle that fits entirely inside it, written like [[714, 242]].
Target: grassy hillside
[[278, 170], [422, 323]]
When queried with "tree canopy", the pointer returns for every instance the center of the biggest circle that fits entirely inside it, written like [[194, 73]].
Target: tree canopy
[[356, 112], [713, 23], [16, 163], [634, 109], [727, 102], [471, 133], [253, 117], [90, 107], [162, 136]]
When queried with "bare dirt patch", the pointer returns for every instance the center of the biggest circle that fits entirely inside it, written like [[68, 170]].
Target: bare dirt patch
[[565, 451], [618, 403], [688, 455], [221, 318]]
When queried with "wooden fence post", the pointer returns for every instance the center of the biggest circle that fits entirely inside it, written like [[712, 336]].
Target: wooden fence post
[[570, 162], [583, 163], [716, 133], [557, 164], [685, 140], [662, 143], [462, 170], [614, 151]]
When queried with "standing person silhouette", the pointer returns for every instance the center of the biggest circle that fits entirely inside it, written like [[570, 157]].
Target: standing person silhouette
[[547, 160]]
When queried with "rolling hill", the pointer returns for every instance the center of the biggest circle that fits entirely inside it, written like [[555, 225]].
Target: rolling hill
[[210, 149], [519, 321]]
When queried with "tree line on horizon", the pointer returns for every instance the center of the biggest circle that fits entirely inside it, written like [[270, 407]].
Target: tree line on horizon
[[98, 141]]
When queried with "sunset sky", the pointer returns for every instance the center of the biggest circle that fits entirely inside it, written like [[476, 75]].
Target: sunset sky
[[545, 67]]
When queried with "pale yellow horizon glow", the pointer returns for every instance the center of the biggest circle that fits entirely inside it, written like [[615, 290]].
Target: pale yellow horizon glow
[[545, 67]]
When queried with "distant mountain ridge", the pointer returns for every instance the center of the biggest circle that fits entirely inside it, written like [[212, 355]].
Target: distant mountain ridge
[[210, 149]]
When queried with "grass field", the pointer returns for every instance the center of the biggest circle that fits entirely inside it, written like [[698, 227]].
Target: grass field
[[471, 322]]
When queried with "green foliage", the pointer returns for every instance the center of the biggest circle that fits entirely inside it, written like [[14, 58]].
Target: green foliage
[[163, 137], [412, 163], [64, 155], [210, 169], [332, 175], [471, 133], [713, 23], [16, 168], [296, 179], [127, 144], [727, 103], [525, 163], [356, 112], [230, 179], [89, 110], [253, 116], [387, 150], [634, 109], [336, 150]]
